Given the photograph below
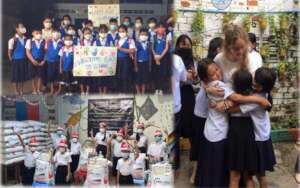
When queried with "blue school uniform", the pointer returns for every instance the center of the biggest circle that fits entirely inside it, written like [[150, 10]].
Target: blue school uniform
[[124, 72], [52, 59], [19, 63], [112, 38], [67, 66], [104, 81], [143, 59], [38, 54], [162, 71], [62, 31]]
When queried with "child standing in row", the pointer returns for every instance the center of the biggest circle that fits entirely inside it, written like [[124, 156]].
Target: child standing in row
[[157, 149], [30, 156], [113, 34], [125, 166], [143, 58], [116, 148], [66, 63], [101, 139], [75, 147], [160, 47], [35, 51], [62, 160], [53, 47], [140, 138], [126, 50], [105, 41], [17, 58]]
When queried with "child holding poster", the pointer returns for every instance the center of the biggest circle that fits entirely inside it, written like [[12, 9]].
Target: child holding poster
[[143, 60], [86, 82], [66, 63], [113, 34], [103, 40], [35, 51], [126, 50]]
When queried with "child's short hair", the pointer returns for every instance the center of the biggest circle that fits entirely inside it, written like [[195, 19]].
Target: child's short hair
[[252, 38], [127, 17], [88, 22], [17, 25], [66, 16], [123, 27], [266, 78], [202, 68], [47, 18], [213, 46], [113, 20], [71, 27], [103, 27], [36, 30], [161, 24], [139, 18], [86, 29], [67, 36], [143, 30], [152, 19], [242, 81]]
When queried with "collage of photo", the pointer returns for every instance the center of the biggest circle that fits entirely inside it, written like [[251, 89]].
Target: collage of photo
[[152, 93]]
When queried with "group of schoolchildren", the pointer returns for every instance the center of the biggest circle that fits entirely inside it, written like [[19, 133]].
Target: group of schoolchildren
[[231, 140], [46, 58], [115, 146]]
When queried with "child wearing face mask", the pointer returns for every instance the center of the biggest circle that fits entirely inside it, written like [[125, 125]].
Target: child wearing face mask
[[140, 138], [66, 21], [157, 150], [125, 167], [104, 40], [71, 30], [126, 50], [126, 21], [89, 24], [101, 139], [160, 47], [75, 147], [116, 148], [142, 61], [113, 34], [35, 53], [66, 64], [47, 30], [137, 28], [52, 48], [62, 160], [86, 82], [17, 58], [30, 156]]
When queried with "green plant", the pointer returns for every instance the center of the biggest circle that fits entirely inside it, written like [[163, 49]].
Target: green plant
[[198, 22], [246, 23], [262, 21], [272, 25], [284, 21], [228, 18]]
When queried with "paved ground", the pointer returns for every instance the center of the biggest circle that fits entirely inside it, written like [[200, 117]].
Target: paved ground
[[282, 177]]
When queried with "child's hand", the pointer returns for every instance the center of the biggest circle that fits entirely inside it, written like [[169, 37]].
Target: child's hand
[[92, 132], [190, 75], [35, 63], [42, 63], [135, 68], [157, 57], [265, 104], [157, 62]]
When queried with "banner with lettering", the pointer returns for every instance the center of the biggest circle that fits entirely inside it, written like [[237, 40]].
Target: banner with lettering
[[94, 61], [101, 13]]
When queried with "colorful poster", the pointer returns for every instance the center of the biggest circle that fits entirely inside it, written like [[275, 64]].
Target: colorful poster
[[95, 61], [100, 14]]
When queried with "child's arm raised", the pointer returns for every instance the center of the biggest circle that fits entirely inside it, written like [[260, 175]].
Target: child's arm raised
[[49, 122], [20, 138]]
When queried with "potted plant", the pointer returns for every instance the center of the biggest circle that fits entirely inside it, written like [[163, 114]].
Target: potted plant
[[284, 21], [246, 23], [262, 22], [264, 50]]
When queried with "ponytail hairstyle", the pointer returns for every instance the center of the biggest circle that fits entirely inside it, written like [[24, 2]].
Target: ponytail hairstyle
[[242, 82], [266, 78], [232, 34]]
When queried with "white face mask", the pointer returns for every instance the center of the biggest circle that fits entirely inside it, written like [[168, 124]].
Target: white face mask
[[60, 133], [32, 148], [122, 35], [119, 138], [102, 35], [143, 38], [88, 37], [71, 32], [47, 25], [74, 140], [68, 42], [125, 155], [56, 35], [38, 36], [23, 30], [140, 131], [66, 22], [62, 149], [102, 130]]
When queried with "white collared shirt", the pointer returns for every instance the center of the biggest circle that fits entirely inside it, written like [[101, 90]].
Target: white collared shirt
[[62, 159], [157, 149], [67, 50], [130, 41], [55, 43], [30, 158], [28, 44], [201, 103], [125, 167], [75, 148], [116, 148], [99, 138]]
